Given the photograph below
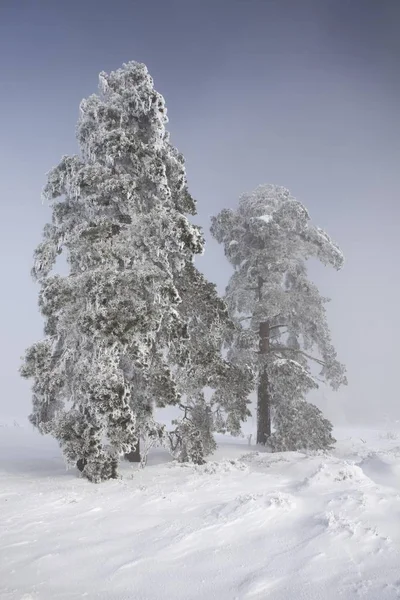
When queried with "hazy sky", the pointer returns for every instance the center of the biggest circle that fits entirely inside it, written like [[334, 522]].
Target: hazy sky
[[301, 93]]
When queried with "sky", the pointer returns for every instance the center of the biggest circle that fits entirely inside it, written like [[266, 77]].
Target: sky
[[301, 94]]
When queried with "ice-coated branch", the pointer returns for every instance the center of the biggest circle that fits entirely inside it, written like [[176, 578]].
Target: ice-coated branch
[[298, 351]]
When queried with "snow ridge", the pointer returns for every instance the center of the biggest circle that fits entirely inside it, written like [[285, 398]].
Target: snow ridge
[[246, 525]]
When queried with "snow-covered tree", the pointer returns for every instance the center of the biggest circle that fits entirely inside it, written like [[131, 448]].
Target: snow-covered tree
[[281, 326], [214, 392], [300, 425], [113, 326]]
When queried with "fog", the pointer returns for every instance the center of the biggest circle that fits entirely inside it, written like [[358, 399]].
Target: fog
[[301, 94]]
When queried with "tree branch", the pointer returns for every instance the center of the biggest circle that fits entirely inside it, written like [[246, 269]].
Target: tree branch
[[276, 335], [286, 349]]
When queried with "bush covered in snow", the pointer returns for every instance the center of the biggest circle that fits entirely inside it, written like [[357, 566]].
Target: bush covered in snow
[[300, 425]]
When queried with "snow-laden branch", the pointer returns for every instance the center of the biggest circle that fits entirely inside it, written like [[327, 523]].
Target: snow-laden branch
[[309, 356]]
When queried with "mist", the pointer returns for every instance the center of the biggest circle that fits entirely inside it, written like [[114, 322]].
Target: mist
[[303, 95]]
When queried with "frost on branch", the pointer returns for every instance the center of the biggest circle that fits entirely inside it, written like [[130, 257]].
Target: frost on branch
[[200, 365], [281, 331], [192, 439], [289, 380], [114, 325], [300, 425]]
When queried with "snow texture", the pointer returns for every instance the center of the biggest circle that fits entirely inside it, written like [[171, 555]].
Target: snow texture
[[245, 526], [266, 218]]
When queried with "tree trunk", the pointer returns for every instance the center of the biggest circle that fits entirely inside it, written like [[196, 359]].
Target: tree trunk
[[263, 410], [263, 398], [81, 464], [134, 455]]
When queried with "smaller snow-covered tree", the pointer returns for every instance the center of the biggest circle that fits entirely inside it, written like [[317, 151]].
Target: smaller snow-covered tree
[[192, 438], [300, 425], [214, 392], [279, 314]]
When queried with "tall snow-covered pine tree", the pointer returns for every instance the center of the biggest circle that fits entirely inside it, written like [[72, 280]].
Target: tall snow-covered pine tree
[[279, 313], [119, 215]]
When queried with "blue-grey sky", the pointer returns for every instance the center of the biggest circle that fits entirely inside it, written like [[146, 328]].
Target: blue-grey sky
[[301, 93]]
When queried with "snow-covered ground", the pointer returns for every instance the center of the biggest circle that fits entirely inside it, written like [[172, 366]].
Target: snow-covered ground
[[247, 525]]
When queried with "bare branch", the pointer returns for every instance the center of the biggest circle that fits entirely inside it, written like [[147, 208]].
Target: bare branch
[[258, 318], [317, 360], [274, 317], [286, 349], [274, 336]]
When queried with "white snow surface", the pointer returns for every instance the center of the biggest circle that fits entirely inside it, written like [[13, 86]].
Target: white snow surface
[[247, 525]]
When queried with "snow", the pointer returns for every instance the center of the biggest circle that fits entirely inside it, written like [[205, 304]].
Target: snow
[[265, 218], [247, 525]]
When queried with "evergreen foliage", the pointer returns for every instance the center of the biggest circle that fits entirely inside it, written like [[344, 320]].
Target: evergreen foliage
[[279, 313], [119, 326], [300, 425]]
